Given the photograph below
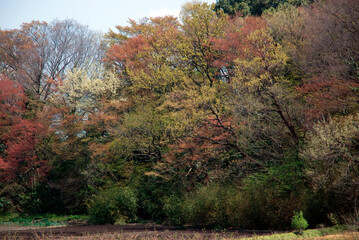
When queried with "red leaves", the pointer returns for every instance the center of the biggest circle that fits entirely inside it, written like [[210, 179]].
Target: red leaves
[[126, 54], [199, 154], [235, 43], [18, 135], [211, 137], [11, 100], [20, 157], [329, 95]]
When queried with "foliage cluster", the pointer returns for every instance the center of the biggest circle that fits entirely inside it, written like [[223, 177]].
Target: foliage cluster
[[113, 205], [299, 223]]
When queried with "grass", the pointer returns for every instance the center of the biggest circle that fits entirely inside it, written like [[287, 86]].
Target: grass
[[40, 220], [307, 234]]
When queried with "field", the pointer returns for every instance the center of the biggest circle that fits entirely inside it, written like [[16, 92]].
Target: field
[[150, 231]]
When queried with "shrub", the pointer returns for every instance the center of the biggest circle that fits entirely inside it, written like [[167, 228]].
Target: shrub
[[299, 223], [5, 205], [175, 210], [267, 197], [114, 205], [206, 206]]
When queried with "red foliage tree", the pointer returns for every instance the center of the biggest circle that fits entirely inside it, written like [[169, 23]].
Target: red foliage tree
[[234, 44], [18, 136], [200, 158], [326, 96]]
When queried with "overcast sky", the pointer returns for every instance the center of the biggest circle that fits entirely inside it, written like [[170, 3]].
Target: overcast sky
[[99, 15]]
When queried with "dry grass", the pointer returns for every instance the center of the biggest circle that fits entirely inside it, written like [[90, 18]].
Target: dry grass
[[112, 232], [177, 235], [346, 236]]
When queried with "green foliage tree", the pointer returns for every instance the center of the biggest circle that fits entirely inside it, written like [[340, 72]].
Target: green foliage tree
[[253, 7]]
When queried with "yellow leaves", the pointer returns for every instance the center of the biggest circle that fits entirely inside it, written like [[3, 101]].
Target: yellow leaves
[[188, 105], [201, 22], [262, 61], [286, 25], [330, 149], [332, 139], [158, 78]]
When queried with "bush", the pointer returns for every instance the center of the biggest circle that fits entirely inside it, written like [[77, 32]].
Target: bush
[[175, 210], [299, 223], [152, 193], [206, 206], [114, 205], [266, 198], [5, 205]]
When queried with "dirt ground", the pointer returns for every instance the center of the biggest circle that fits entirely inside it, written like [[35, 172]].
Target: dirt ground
[[135, 231], [346, 236]]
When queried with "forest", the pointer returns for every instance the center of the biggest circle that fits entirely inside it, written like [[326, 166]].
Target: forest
[[235, 115]]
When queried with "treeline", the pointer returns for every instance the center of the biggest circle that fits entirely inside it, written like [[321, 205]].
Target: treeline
[[234, 115]]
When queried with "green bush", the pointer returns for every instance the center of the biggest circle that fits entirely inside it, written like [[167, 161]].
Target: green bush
[[175, 210], [5, 205], [266, 199], [299, 223], [114, 205], [206, 207]]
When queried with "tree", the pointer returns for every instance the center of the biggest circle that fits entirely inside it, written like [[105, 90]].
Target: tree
[[253, 7], [262, 98], [331, 153], [18, 137], [208, 155], [38, 54], [318, 40], [168, 65], [329, 47], [81, 117]]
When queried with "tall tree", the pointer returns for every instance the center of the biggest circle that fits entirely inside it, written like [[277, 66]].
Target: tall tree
[[38, 54], [18, 137], [251, 7]]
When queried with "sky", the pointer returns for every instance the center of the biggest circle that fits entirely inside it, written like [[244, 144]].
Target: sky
[[99, 15]]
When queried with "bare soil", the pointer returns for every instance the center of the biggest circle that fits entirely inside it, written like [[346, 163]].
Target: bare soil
[[132, 231]]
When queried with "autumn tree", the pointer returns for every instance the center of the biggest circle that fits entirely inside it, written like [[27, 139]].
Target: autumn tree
[[262, 97], [80, 116], [38, 54], [331, 152], [19, 136], [318, 39]]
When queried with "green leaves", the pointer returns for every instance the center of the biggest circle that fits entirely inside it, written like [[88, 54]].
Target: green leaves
[[299, 223]]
